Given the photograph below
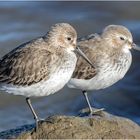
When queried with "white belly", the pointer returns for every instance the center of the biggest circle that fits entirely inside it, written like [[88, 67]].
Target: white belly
[[107, 76], [56, 82]]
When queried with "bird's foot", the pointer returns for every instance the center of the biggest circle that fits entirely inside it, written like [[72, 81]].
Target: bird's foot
[[40, 121], [37, 123], [49, 120], [91, 112], [98, 112]]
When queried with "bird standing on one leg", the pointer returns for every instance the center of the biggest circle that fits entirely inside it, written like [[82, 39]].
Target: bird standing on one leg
[[40, 67], [110, 55]]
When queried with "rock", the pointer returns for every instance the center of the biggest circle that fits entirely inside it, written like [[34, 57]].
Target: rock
[[70, 127]]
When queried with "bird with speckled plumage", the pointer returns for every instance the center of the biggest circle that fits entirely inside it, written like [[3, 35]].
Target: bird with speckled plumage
[[41, 66], [109, 53]]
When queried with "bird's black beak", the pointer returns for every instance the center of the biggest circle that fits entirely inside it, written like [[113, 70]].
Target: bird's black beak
[[135, 47], [77, 50]]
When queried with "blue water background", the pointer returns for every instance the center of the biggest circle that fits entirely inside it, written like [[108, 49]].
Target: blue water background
[[23, 21]]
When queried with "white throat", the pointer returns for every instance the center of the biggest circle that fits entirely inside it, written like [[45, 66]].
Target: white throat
[[126, 49]]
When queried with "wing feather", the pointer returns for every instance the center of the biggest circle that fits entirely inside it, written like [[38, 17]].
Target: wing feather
[[28, 64], [83, 70]]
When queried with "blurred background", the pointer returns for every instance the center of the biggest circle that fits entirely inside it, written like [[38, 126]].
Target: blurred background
[[23, 21]]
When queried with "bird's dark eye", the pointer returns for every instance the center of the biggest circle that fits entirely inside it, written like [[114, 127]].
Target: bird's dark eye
[[121, 38], [69, 38]]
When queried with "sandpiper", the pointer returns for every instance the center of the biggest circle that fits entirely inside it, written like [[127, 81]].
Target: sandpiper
[[41, 66], [111, 57]]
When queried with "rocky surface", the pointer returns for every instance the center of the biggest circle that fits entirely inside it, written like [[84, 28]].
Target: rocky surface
[[62, 127]]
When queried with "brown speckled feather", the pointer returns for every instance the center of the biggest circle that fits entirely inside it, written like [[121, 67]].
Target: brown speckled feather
[[83, 70], [100, 50], [29, 63]]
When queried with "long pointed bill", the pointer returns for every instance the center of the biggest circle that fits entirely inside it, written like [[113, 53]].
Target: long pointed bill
[[135, 47], [84, 56]]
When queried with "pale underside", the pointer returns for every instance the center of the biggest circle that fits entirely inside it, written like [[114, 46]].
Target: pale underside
[[35, 69], [43, 88], [108, 70]]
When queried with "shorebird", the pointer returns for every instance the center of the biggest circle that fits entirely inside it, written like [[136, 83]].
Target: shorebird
[[41, 66], [111, 58]]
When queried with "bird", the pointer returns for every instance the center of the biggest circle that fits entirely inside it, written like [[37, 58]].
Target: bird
[[42, 66], [109, 52]]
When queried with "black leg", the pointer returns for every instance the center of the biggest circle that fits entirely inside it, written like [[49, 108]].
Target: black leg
[[33, 112]]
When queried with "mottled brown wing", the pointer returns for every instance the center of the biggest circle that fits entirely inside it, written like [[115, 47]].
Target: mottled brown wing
[[84, 70], [28, 64]]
